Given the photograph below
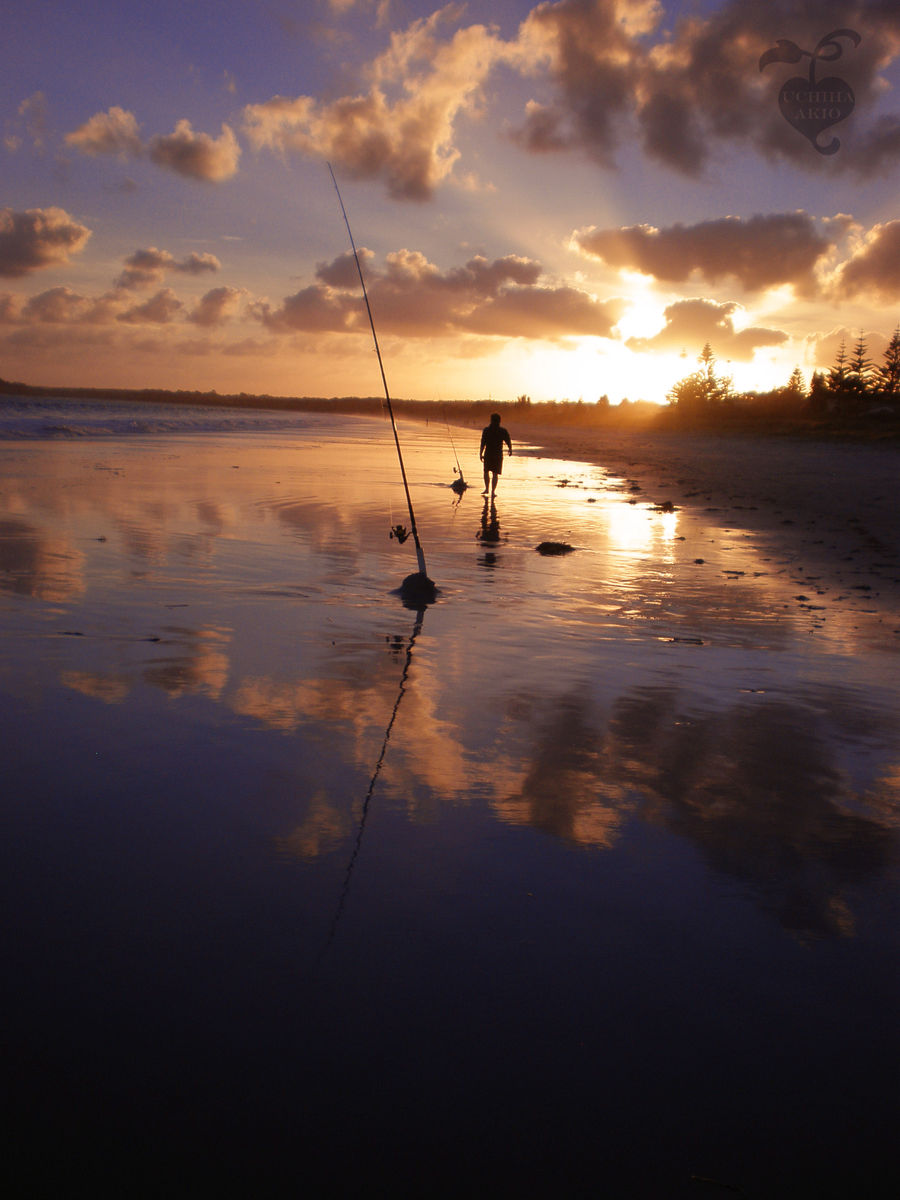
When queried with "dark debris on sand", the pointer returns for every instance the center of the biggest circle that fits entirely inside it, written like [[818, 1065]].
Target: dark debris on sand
[[549, 548]]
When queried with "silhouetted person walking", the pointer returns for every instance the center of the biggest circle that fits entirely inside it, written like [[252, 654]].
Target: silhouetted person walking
[[493, 437]]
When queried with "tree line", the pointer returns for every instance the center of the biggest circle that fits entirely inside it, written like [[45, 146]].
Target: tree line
[[853, 384]]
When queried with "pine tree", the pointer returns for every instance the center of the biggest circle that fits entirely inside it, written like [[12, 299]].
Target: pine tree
[[703, 387], [859, 369], [888, 374], [837, 374], [818, 393], [796, 386]]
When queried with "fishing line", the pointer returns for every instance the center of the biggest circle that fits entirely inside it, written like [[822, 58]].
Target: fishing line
[[420, 556], [458, 485]]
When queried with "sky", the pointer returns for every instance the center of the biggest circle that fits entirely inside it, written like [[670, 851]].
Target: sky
[[562, 200]]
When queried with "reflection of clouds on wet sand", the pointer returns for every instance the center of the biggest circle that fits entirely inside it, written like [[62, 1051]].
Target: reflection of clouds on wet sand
[[39, 564], [198, 664], [324, 828], [190, 662], [110, 689], [565, 789], [758, 789]]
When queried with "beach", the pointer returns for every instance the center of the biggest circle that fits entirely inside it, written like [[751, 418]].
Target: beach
[[583, 877], [814, 501]]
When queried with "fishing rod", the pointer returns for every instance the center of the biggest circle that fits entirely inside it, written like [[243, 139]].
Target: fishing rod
[[413, 586], [458, 485]]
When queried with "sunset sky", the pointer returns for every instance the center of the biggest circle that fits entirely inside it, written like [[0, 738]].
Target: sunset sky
[[561, 199]]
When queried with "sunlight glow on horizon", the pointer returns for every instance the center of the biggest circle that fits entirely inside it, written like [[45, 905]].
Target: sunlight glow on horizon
[[166, 230]]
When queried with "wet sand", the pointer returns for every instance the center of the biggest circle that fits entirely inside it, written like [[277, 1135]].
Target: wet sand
[[828, 509], [585, 877]]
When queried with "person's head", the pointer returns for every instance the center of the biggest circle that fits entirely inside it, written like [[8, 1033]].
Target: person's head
[[495, 418]]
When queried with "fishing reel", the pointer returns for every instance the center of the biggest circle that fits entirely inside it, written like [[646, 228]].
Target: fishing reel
[[400, 533]]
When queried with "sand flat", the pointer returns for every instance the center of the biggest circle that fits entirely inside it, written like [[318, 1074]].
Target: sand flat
[[519, 885]]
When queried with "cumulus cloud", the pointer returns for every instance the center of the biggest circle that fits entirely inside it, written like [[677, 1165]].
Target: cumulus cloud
[[113, 132], [681, 91], [217, 306], [37, 238], [689, 324], [759, 252], [411, 296], [402, 128], [158, 310], [146, 268], [606, 73], [59, 305], [197, 155], [10, 308], [186, 151], [874, 268]]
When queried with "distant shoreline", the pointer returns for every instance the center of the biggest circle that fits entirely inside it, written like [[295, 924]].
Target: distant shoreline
[[551, 417]]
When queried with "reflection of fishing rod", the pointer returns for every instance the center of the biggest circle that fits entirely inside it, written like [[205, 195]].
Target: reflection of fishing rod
[[345, 891], [414, 586]]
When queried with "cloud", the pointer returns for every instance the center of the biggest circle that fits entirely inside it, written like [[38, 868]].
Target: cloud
[[38, 238], [33, 112], [616, 72], [197, 155], [59, 305], [185, 151], [607, 73], [158, 310], [217, 306], [113, 132], [402, 129], [874, 269], [411, 296], [759, 252], [692, 323], [146, 268], [593, 60]]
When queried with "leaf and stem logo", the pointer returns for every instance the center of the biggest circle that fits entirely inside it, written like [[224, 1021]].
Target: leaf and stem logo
[[813, 105]]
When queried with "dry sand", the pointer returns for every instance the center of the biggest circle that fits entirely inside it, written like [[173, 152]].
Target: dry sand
[[829, 508]]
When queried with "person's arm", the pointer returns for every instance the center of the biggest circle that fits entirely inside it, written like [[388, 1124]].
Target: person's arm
[[508, 443]]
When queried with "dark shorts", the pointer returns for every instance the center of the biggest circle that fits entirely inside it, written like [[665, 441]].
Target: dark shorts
[[493, 461]]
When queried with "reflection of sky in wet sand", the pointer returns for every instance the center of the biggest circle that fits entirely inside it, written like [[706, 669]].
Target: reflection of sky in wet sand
[[628, 739], [659, 672]]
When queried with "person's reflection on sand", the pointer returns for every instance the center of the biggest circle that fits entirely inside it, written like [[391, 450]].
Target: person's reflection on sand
[[489, 533]]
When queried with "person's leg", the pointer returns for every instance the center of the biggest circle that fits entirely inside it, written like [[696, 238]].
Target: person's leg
[[486, 481]]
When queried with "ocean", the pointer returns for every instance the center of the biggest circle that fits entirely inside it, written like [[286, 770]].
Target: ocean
[[581, 879]]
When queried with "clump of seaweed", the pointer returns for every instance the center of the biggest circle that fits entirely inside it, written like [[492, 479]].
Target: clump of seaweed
[[554, 548]]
